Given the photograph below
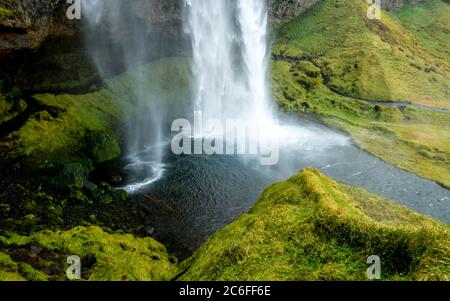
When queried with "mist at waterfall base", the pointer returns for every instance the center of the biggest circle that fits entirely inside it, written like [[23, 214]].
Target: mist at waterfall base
[[118, 41], [186, 198]]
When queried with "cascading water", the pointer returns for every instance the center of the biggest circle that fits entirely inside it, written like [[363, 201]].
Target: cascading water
[[230, 65], [252, 16], [118, 43], [229, 41]]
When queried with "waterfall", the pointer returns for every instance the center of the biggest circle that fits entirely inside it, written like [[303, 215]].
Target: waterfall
[[117, 42], [253, 20], [230, 58], [231, 68]]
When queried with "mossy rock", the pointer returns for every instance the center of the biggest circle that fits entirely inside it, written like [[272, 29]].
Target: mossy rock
[[9, 270], [104, 256], [101, 147], [70, 176]]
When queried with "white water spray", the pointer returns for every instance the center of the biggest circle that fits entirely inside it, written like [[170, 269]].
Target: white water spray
[[117, 44]]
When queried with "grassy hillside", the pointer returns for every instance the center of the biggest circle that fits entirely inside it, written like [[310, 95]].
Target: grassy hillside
[[104, 256], [403, 56], [312, 228], [333, 61]]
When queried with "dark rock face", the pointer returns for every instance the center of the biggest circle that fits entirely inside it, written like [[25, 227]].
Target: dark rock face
[[394, 5], [41, 50], [28, 23], [281, 11]]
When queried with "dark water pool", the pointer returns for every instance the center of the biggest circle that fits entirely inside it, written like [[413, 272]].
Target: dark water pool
[[197, 195]]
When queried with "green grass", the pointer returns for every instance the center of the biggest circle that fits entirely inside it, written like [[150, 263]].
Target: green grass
[[377, 60], [361, 59], [104, 256], [312, 228]]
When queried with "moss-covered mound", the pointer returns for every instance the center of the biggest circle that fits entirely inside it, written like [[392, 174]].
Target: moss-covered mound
[[104, 256], [333, 61], [312, 228]]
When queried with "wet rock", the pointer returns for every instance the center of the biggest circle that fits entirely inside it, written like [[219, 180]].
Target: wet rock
[[120, 195], [35, 250], [281, 11], [72, 176], [105, 198], [116, 179], [90, 186], [149, 230], [29, 23]]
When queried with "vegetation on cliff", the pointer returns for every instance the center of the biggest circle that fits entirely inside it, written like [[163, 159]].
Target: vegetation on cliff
[[313, 228], [334, 62]]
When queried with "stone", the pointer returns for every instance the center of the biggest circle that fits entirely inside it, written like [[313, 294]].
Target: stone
[[90, 186], [35, 250], [116, 179], [149, 230], [70, 176], [120, 195]]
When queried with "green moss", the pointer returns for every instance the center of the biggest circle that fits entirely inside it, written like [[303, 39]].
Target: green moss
[[104, 256], [9, 270], [30, 273], [312, 228], [101, 147], [10, 109]]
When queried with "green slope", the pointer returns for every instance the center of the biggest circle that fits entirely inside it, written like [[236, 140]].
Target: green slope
[[312, 228], [400, 57]]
